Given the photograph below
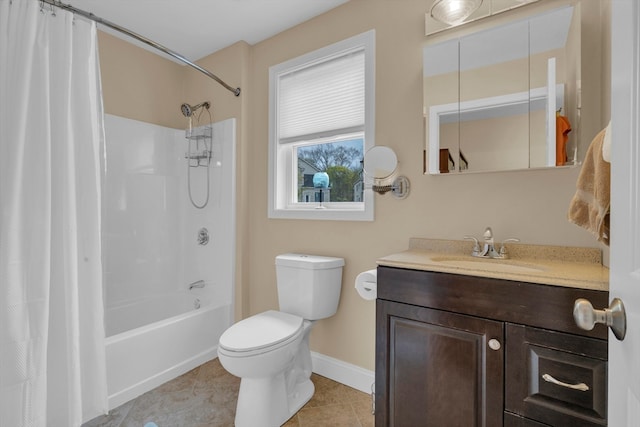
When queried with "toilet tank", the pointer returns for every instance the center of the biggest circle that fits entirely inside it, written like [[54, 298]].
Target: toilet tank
[[309, 285]]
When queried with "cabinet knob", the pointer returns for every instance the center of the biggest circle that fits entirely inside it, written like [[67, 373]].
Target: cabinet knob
[[614, 316], [494, 344]]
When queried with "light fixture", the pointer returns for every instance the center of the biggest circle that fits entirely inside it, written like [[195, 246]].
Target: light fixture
[[453, 12]]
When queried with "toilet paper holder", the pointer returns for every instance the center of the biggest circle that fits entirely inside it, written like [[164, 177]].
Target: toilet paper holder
[[366, 284]]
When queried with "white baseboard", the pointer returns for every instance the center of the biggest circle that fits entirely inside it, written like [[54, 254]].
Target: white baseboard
[[343, 372]]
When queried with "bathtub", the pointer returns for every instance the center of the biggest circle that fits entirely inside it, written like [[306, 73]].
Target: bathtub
[[154, 340]]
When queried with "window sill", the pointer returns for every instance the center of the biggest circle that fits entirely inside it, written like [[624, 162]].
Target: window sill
[[327, 214]]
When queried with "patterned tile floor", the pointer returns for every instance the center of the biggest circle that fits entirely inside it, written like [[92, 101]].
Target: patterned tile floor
[[206, 397]]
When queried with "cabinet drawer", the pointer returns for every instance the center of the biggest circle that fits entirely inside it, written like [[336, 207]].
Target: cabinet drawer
[[540, 367]]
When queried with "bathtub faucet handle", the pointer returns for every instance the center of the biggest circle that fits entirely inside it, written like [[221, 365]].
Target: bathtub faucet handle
[[196, 284]]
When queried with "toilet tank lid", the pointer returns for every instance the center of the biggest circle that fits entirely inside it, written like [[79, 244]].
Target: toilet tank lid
[[309, 262]]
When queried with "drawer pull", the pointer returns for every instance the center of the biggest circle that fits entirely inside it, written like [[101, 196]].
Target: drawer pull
[[582, 386]]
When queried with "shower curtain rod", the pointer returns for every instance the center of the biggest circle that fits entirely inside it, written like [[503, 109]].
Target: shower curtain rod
[[91, 16]]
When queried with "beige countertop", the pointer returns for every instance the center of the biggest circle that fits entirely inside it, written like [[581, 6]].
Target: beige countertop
[[574, 267]]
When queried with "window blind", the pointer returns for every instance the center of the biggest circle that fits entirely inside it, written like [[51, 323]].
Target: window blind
[[322, 99]]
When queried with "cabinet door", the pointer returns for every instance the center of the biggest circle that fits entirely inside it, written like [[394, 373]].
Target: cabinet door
[[436, 368]]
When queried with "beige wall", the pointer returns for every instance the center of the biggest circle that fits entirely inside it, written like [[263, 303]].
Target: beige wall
[[529, 205], [138, 84]]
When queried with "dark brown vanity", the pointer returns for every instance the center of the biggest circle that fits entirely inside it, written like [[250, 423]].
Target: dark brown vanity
[[463, 350]]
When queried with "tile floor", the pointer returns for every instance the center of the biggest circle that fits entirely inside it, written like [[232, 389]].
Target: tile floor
[[206, 397]]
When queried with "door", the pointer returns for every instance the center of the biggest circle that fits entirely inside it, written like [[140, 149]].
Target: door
[[624, 356]]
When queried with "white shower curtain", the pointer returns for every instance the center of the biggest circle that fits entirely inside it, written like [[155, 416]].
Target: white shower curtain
[[52, 362]]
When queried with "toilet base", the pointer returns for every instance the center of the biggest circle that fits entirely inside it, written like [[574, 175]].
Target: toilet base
[[263, 402], [302, 394]]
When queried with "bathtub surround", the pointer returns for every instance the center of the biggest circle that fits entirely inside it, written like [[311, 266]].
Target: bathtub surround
[[157, 328], [142, 212], [52, 359]]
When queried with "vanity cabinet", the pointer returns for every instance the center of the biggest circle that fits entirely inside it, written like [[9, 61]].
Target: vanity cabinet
[[457, 350]]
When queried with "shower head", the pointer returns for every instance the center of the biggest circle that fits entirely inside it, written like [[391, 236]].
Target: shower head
[[188, 110]]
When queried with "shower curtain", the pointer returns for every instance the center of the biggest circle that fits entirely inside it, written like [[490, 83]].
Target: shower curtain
[[52, 362]]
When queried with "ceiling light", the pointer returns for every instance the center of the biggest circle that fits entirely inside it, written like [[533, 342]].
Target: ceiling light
[[453, 12]]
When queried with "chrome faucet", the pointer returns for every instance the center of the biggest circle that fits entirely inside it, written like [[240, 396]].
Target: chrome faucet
[[196, 284], [489, 249]]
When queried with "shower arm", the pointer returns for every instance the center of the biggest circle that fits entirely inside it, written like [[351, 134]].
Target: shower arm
[[91, 16]]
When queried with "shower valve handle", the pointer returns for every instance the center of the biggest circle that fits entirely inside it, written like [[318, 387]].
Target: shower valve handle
[[203, 236]]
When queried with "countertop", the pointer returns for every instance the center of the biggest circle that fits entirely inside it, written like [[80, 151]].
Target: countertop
[[575, 267]]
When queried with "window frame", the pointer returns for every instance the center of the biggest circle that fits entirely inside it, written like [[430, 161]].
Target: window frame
[[281, 163]]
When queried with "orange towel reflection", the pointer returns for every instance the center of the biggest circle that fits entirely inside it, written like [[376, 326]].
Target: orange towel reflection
[[563, 127]]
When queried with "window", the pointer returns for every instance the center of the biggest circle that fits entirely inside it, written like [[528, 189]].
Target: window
[[321, 122]]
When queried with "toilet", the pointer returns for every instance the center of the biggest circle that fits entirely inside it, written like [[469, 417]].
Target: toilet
[[270, 351]]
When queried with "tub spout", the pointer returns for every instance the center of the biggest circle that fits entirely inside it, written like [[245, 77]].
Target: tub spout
[[196, 284]]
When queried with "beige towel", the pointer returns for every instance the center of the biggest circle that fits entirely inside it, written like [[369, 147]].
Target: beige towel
[[590, 206]]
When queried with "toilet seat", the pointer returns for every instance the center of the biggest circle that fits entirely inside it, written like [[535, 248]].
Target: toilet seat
[[260, 333]]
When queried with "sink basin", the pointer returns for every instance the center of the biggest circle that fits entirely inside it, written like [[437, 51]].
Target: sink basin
[[490, 264]]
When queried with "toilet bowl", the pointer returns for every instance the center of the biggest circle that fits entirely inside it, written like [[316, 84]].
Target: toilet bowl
[[270, 351]]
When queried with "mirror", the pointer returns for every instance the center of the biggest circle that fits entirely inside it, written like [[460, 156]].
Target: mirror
[[495, 99], [380, 162]]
